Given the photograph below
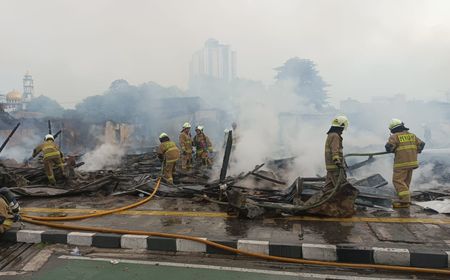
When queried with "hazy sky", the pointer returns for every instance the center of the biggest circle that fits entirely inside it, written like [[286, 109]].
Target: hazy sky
[[362, 48]]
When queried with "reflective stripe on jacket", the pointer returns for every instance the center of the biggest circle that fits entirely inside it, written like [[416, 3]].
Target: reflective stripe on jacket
[[169, 151], [5, 214], [406, 146], [48, 148], [333, 150]]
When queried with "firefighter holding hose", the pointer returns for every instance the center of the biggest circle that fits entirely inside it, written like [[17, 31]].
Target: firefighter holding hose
[[9, 209], [334, 156], [405, 145]]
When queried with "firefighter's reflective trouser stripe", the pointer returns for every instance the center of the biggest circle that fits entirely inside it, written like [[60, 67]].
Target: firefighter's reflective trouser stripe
[[168, 169], [49, 163], [402, 180]]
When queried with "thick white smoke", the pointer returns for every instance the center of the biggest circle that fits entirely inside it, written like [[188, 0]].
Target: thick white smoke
[[106, 156]]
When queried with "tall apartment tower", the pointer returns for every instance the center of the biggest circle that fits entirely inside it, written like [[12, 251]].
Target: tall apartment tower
[[214, 60]]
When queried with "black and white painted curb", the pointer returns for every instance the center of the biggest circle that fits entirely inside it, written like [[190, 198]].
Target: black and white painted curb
[[323, 252]]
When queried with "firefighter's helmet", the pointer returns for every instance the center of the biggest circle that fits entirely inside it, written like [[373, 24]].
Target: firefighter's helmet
[[395, 123], [340, 121], [49, 137]]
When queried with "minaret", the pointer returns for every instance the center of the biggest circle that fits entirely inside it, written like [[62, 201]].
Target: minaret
[[28, 89]]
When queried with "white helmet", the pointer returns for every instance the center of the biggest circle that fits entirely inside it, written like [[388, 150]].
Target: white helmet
[[186, 125], [395, 123], [199, 127], [162, 135], [340, 121], [49, 137]]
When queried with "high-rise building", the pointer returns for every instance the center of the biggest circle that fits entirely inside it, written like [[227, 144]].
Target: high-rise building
[[214, 60]]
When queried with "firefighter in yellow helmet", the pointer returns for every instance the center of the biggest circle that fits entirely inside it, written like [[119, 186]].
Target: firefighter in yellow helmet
[[203, 147], [53, 157], [406, 146], [168, 153], [334, 156], [186, 147], [9, 209]]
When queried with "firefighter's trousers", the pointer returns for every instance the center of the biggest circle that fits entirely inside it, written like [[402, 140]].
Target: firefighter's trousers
[[49, 164], [402, 180], [186, 161], [168, 169]]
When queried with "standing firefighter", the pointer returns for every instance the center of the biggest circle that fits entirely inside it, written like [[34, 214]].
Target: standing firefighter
[[406, 146], [186, 147], [169, 154], [203, 147], [334, 157], [52, 157], [9, 209]]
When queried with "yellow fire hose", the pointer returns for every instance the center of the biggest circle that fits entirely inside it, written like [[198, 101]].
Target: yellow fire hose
[[32, 220], [99, 213]]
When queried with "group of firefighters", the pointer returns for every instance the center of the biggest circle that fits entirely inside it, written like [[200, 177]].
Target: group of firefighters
[[404, 144]]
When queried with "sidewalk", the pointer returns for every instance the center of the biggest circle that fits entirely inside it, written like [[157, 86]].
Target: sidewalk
[[404, 237]]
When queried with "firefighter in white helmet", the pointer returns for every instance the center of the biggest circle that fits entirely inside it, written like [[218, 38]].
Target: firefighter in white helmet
[[405, 145], [53, 157], [334, 156], [168, 153], [185, 140]]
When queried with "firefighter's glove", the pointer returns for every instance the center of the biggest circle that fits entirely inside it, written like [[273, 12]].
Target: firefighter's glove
[[14, 206], [16, 218]]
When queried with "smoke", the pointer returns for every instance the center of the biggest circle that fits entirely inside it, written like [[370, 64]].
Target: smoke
[[106, 156]]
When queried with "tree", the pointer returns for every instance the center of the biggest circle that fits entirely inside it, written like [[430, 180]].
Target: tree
[[307, 81], [46, 106]]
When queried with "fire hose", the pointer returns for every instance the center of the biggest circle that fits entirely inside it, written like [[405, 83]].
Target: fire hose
[[31, 219]]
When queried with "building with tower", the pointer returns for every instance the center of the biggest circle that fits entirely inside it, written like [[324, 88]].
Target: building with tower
[[15, 101]]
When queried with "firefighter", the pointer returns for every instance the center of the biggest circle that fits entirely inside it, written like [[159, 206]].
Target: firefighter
[[203, 147], [406, 146], [169, 154], [9, 209], [334, 157], [186, 147], [53, 157]]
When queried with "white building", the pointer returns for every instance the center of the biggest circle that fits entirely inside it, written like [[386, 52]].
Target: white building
[[14, 101], [214, 60]]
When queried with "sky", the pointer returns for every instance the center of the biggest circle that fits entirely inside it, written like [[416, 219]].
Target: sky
[[362, 48]]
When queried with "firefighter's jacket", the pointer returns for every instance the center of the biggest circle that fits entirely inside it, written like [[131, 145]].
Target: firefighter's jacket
[[202, 143], [168, 152], [49, 149], [6, 217], [186, 143], [406, 146], [333, 151]]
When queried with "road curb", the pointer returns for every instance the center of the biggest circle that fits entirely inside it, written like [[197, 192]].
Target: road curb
[[426, 258]]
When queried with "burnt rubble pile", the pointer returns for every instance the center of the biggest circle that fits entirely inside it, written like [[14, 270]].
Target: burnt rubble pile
[[250, 194]]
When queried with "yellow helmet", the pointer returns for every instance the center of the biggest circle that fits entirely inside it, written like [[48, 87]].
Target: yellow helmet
[[186, 125], [340, 121], [395, 123], [162, 135]]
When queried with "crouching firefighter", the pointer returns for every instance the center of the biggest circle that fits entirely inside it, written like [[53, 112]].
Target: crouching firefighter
[[9, 209], [405, 145], [53, 157], [168, 153]]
